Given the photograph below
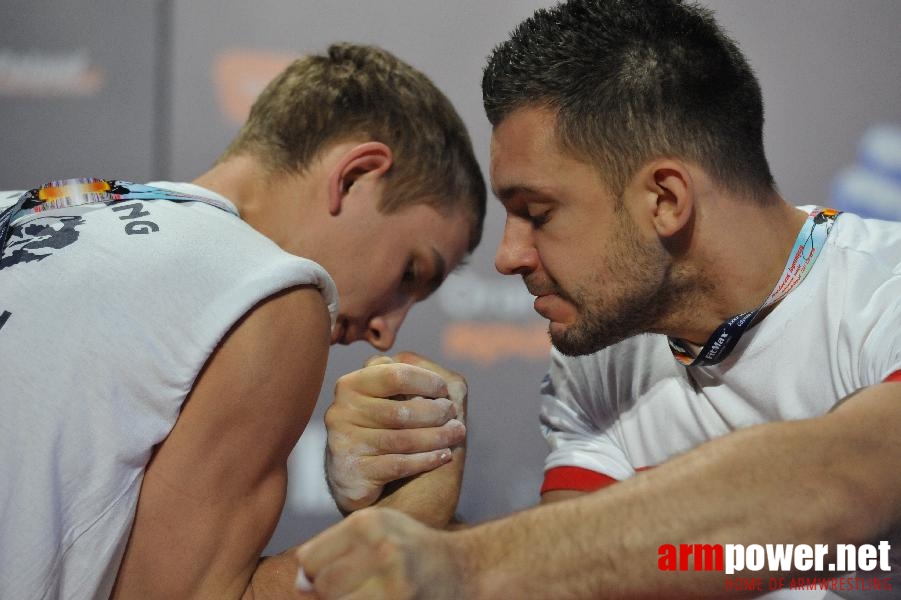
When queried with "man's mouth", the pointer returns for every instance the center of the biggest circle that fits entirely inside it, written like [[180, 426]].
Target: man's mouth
[[543, 303], [539, 290]]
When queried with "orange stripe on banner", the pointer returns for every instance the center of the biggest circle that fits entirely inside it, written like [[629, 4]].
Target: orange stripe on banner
[[896, 376], [578, 479]]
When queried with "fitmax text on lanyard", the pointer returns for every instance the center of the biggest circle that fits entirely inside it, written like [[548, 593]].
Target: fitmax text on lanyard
[[808, 245]]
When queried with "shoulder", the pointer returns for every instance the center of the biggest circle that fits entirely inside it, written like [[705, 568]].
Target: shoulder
[[857, 297], [209, 253], [284, 339], [873, 243], [865, 267]]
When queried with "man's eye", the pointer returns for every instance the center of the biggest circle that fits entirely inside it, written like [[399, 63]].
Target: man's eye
[[539, 219], [410, 273]]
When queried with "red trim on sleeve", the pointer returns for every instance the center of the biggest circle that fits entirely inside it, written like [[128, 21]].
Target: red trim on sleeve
[[579, 479], [574, 478], [896, 376]]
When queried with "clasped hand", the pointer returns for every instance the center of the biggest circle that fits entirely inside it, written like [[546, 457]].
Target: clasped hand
[[394, 419]]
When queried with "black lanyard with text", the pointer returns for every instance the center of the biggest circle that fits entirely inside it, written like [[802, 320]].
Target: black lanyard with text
[[810, 241]]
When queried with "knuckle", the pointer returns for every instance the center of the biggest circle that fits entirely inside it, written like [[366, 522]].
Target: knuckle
[[458, 388], [340, 445], [450, 437], [400, 442], [399, 414], [360, 521], [330, 418], [386, 551], [333, 445], [460, 381], [343, 382], [407, 356], [397, 376], [400, 466], [339, 411]]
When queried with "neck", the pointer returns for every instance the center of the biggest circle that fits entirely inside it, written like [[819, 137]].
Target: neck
[[240, 179], [740, 255], [275, 204]]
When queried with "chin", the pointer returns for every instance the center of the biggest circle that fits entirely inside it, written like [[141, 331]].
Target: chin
[[579, 340]]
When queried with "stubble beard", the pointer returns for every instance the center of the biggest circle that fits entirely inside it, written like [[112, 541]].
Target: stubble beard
[[648, 291]]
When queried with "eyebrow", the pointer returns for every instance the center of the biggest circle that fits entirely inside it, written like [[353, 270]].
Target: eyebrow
[[506, 193]]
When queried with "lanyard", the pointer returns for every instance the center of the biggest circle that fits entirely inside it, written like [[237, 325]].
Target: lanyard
[[76, 192], [811, 240]]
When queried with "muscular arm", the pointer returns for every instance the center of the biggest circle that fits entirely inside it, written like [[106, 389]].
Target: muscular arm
[[214, 490], [558, 495], [827, 480]]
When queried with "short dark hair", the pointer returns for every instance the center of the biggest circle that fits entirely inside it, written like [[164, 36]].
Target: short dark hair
[[634, 80], [359, 91]]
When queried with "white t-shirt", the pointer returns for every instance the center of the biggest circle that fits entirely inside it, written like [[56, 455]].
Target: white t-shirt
[[632, 406], [107, 315]]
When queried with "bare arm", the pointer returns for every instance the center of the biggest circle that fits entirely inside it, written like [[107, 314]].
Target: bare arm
[[558, 495], [804, 482], [801, 482], [214, 490]]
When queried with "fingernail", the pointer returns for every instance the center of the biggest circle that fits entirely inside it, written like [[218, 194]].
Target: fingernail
[[445, 455]]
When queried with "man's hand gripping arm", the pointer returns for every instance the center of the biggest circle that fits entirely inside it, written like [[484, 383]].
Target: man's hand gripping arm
[[396, 438]]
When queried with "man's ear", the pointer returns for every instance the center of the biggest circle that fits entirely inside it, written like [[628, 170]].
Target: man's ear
[[370, 160], [668, 191]]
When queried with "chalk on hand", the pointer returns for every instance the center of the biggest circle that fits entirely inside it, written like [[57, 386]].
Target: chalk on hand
[[302, 583]]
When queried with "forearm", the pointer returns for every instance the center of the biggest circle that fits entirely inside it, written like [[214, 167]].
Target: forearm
[[274, 578], [430, 498], [779, 483]]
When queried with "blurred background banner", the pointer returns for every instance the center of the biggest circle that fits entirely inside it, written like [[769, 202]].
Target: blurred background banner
[[156, 89], [871, 186]]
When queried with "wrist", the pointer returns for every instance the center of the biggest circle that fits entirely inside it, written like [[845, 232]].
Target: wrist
[[467, 567], [431, 498], [478, 570]]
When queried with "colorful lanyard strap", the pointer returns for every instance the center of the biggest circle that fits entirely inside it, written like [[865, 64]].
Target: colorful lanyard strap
[[804, 253], [77, 192]]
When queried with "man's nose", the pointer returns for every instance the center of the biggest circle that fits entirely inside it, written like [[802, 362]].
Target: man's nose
[[383, 328], [516, 254]]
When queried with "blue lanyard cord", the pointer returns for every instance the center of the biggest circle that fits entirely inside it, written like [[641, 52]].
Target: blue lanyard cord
[[77, 192], [810, 241]]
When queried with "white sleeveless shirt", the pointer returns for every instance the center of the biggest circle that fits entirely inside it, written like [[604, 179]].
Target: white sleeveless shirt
[[107, 315]]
